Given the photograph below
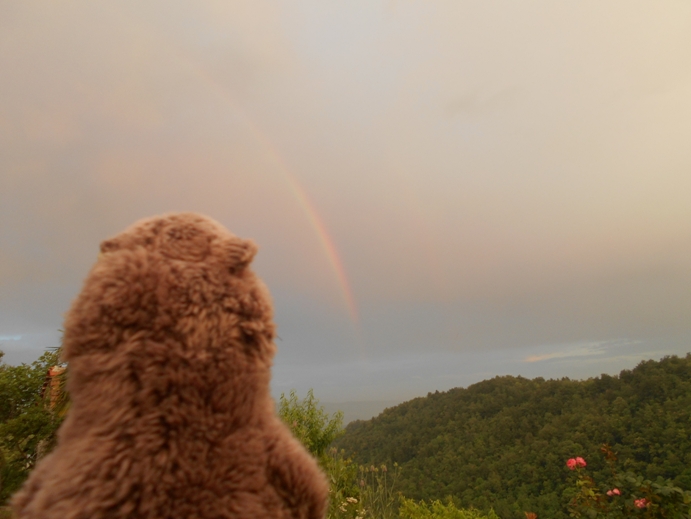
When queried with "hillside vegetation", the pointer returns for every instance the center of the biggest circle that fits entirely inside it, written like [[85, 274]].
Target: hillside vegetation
[[503, 442], [497, 449]]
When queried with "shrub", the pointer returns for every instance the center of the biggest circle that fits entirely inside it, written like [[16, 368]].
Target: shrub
[[625, 494], [438, 510]]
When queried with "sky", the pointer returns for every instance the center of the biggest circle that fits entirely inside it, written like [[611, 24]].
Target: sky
[[442, 192]]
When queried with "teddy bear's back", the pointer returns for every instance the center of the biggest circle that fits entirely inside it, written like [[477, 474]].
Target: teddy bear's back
[[257, 472]]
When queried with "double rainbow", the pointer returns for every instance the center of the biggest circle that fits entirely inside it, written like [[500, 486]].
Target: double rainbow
[[308, 208]]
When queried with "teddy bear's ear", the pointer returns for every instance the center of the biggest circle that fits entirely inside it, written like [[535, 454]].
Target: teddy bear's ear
[[110, 245], [237, 253]]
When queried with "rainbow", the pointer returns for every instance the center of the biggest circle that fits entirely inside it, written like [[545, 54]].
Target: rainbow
[[297, 190]]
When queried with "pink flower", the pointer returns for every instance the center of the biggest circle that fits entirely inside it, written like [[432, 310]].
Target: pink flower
[[641, 503], [613, 492], [575, 462]]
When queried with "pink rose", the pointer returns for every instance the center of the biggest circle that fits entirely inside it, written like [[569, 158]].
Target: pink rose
[[580, 462], [641, 503], [571, 464], [613, 492]]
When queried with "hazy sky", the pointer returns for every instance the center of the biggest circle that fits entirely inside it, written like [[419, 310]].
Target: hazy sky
[[441, 191]]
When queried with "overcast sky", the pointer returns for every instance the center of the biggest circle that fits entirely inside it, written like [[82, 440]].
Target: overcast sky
[[441, 191]]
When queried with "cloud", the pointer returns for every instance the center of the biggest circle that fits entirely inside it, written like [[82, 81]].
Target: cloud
[[580, 350], [612, 350], [492, 178]]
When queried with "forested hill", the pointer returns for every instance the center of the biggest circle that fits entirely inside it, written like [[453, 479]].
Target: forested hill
[[504, 442]]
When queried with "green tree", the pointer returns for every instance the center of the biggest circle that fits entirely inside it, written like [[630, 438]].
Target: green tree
[[26, 420], [309, 422], [316, 430]]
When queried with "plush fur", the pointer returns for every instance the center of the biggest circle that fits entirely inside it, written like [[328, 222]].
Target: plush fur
[[169, 347]]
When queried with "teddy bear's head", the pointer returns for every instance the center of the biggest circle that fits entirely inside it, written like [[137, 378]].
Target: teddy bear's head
[[173, 291]]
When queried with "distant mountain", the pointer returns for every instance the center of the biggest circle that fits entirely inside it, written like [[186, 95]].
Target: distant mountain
[[503, 442]]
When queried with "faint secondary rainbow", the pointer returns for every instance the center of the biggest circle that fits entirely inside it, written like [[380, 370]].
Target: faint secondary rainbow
[[299, 193]]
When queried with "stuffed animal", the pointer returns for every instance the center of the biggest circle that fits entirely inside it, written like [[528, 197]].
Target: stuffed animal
[[169, 346]]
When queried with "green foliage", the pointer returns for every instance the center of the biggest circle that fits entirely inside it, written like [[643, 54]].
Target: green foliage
[[438, 510], [309, 423], [316, 430], [502, 443], [344, 493], [624, 495], [377, 491], [27, 425], [355, 492]]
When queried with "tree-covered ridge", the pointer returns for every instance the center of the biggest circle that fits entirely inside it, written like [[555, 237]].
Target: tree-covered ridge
[[502, 443]]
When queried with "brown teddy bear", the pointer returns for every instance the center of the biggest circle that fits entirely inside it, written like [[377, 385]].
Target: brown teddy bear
[[169, 347]]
